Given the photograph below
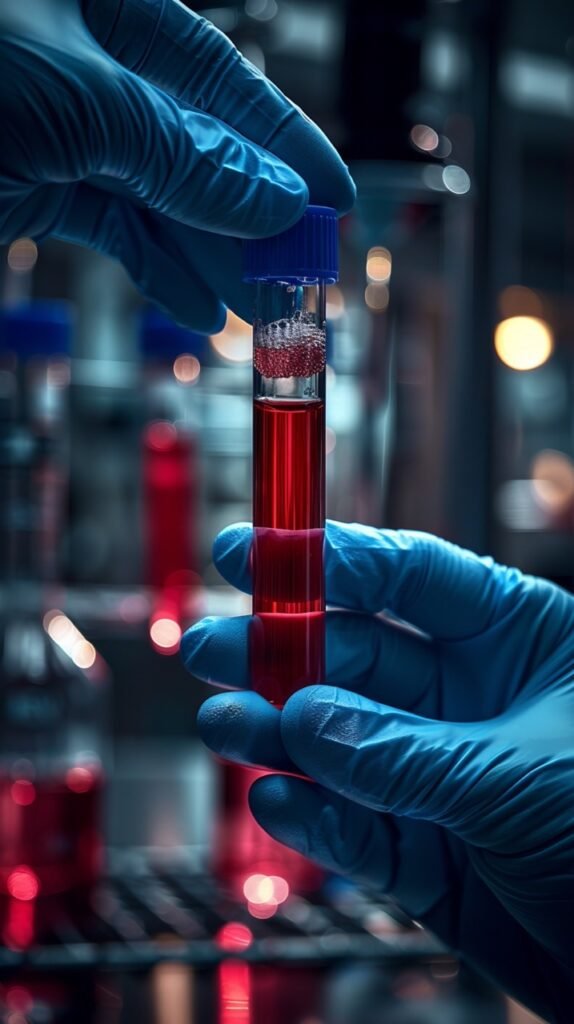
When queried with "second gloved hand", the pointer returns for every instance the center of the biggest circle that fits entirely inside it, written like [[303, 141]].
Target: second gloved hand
[[136, 128], [445, 757]]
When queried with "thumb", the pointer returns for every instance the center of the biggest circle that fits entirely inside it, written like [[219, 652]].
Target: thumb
[[381, 757], [189, 165]]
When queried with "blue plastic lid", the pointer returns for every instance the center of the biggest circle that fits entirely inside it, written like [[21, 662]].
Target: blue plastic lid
[[161, 338], [305, 253], [37, 329]]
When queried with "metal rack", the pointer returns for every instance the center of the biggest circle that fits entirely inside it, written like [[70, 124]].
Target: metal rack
[[140, 920]]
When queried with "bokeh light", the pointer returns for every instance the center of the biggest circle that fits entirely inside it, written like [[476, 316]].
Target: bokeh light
[[523, 342], [335, 302], [23, 792], [234, 342], [23, 883], [22, 255], [80, 779], [516, 300], [264, 894], [553, 480], [161, 435], [234, 936], [62, 631], [379, 265], [186, 369], [456, 179], [165, 635], [377, 297], [424, 137]]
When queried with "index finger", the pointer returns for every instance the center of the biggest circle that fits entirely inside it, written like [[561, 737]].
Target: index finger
[[441, 589], [188, 57]]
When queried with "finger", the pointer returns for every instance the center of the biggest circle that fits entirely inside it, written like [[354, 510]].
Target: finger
[[384, 758], [445, 591], [182, 163], [244, 727], [186, 56], [193, 168], [363, 654], [127, 233], [339, 835]]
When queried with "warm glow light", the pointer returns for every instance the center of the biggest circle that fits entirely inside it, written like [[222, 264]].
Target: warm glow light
[[234, 936], [523, 342], [265, 890], [80, 779], [424, 138], [516, 300], [165, 635], [377, 297], [62, 631], [379, 265], [84, 654], [22, 255], [553, 480], [335, 302], [233, 343], [186, 369], [23, 792], [23, 884]]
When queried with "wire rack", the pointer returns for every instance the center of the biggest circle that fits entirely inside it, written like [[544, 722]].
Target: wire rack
[[159, 915]]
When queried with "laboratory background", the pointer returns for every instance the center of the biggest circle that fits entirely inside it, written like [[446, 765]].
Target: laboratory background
[[450, 404]]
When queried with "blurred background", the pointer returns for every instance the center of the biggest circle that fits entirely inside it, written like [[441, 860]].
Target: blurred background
[[126, 447]]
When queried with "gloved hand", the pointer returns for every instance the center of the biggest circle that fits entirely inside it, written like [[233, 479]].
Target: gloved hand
[[141, 132], [445, 754]]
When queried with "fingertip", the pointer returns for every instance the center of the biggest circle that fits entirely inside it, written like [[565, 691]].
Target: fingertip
[[243, 727], [277, 802], [303, 717], [288, 200], [232, 554], [192, 642]]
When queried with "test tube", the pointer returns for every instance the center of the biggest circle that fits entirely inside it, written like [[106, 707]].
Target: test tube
[[291, 272]]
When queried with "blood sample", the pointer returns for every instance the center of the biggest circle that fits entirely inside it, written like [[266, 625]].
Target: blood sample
[[287, 643]]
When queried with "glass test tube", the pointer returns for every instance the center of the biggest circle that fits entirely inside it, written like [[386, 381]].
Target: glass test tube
[[287, 646]]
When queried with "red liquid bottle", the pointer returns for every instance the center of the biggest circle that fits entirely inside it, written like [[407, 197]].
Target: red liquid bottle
[[171, 478], [287, 644]]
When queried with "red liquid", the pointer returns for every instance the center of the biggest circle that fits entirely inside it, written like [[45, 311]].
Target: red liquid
[[170, 471], [288, 632], [50, 851], [242, 848]]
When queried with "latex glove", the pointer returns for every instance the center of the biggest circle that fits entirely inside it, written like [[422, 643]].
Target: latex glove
[[141, 132], [446, 763]]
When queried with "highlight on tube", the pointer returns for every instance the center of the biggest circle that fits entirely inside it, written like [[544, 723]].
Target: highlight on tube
[[291, 272]]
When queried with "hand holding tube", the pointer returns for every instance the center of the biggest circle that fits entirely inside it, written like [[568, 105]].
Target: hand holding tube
[[136, 128], [444, 756]]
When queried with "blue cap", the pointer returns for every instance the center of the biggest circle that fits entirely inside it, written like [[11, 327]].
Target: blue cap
[[305, 253], [37, 329], [161, 338]]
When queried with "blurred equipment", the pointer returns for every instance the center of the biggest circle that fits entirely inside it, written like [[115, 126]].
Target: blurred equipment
[[52, 681]]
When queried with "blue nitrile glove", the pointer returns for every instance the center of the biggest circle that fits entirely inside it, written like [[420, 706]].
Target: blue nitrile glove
[[140, 131], [445, 760]]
